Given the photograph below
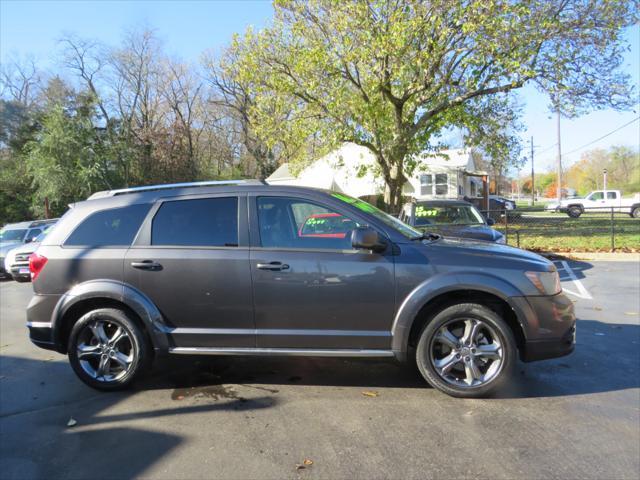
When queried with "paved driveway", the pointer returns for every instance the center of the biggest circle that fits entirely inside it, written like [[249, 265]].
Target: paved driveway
[[574, 417]]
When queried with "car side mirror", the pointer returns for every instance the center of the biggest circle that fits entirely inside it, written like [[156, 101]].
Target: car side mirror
[[490, 221], [366, 238]]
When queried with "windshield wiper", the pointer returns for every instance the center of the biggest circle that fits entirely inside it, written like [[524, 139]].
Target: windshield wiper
[[427, 236]]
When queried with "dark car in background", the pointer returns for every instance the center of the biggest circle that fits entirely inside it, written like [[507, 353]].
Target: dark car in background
[[451, 218]]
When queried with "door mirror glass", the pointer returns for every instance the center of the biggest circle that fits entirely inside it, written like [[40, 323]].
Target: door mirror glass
[[366, 238]]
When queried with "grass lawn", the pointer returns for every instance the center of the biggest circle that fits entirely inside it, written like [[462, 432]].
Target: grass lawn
[[560, 233]]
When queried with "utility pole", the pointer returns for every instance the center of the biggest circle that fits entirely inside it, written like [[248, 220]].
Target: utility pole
[[533, 187], [559, 183], [604, 180]]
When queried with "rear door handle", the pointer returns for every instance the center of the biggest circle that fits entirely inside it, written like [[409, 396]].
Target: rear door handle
[[273, 266], [146, 265]]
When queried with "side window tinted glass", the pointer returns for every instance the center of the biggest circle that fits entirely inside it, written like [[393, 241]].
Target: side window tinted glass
[[113, 227], [206, 222], [292, 223]]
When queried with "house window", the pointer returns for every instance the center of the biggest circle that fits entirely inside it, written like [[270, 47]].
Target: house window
[[442, 184], [426, 184]]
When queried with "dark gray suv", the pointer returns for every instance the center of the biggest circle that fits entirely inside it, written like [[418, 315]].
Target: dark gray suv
[[243, 268]]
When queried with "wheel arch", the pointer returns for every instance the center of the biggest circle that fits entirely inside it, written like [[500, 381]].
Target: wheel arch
[[432, 296], [94, 294]]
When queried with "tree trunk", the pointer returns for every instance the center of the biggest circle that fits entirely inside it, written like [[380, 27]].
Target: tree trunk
[[394, 182]]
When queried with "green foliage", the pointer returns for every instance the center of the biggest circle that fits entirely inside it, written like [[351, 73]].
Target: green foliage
[[622, 165], [392, 75]]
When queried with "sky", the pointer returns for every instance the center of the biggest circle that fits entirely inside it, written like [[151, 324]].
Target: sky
[[190, 27]]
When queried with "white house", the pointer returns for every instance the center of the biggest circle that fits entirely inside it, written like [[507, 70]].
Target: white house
[[450, 174]]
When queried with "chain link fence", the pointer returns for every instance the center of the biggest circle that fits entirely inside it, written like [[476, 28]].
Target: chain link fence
[[597, 229]]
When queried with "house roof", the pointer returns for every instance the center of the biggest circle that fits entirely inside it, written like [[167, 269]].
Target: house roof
[[447, 158], [281, 173]]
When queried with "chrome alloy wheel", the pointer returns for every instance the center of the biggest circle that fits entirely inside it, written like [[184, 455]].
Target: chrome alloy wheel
[[467, 352], [105, 350]]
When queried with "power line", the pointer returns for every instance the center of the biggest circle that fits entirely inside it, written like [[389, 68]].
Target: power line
[[604, 136], [548, 148]]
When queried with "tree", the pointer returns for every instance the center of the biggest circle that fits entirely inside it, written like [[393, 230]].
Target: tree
[[236, 98], [66, 159], [391, 75]]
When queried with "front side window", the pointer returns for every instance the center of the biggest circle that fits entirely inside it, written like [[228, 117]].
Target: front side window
[[295, 223], [115, 227], [203, 222], [596, 196], [385, 218], [442, 184]]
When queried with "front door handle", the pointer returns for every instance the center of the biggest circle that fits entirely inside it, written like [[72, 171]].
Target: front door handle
[[146, 265], [273, 266]]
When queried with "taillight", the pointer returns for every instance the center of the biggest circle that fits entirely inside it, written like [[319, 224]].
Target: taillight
[[36, 264]]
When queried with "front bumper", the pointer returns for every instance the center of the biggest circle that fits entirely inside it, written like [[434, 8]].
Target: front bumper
[[20, 270], [551, 328]]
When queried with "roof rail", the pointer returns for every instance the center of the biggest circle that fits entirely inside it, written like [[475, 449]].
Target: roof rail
[[169, 186]]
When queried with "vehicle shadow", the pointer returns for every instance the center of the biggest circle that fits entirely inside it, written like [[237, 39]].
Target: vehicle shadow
[[39, 397], [578, 267], [591, 368]]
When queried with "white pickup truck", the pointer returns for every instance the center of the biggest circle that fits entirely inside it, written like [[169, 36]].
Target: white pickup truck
[[598, 201]]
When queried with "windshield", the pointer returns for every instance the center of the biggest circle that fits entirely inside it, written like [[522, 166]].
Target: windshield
[[447, 215], [387, 219], [12, 235]]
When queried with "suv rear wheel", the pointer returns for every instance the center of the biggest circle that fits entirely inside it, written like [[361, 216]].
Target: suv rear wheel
[[107, 350], [466, 350]]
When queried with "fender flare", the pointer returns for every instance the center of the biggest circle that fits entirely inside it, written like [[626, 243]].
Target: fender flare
[[579, 205], [121, 292], [450, 282]]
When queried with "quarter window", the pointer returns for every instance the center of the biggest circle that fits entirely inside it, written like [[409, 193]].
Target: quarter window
[[206, 222], [115, 227], [292, 223]]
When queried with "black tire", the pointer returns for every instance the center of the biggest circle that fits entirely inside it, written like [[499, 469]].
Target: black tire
[[635, 212], [136, 348], [574, 212], [449, 316]]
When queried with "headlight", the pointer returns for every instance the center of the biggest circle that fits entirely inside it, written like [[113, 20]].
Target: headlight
[[547, 283], [502, 240]]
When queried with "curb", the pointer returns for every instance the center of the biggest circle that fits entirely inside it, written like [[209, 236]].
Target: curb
[[595, 256]]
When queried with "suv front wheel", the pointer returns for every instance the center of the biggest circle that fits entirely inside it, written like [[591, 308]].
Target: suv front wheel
[[107, 350], [466, 350]]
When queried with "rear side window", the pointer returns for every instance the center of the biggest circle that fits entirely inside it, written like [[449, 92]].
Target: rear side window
[[206, 222], [115, 227]]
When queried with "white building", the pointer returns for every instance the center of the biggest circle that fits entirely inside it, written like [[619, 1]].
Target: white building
[[451, 174]]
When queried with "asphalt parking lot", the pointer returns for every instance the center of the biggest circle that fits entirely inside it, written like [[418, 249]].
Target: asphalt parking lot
[[573, 417]]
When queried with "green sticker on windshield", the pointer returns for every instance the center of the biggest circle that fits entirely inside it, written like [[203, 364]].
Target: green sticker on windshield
[[364, 206], [426, 212]]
